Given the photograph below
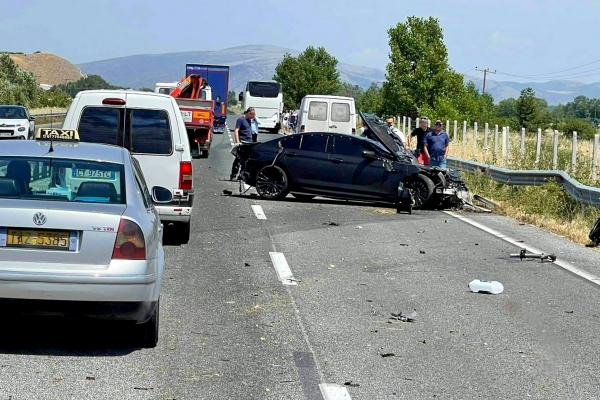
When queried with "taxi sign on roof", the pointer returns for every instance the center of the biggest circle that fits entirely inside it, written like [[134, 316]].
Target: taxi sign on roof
[[68, 135]]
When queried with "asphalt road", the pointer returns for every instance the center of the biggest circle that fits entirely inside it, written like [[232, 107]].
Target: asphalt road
[[230, 328]]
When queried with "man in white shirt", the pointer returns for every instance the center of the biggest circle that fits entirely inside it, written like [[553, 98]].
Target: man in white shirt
[[395, 131]]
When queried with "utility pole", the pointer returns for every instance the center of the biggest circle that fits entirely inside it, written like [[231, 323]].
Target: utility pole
[[485, 72]]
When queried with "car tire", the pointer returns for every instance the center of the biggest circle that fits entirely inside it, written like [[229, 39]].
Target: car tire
[[183, 230], [422, 187], [204, 153], [149, 329], [304, 197], [272, 182]]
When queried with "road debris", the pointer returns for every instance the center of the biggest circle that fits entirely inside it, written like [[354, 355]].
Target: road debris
[[385, 355], [90, 378], [142, 388], [484, 286], [359, 227], [227, 192], [422, 251], [331, 223], [523, 254], [351, 384], [410, 317], [246, 264]]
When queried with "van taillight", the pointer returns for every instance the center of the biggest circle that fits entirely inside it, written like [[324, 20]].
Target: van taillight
[[354, 131], [111, 101], [129, 244], [301, 128], [185, 175]]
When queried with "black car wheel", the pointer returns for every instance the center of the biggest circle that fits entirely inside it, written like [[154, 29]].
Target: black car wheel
[[303, 197], [149, 329], [422, 188], [272, 183]]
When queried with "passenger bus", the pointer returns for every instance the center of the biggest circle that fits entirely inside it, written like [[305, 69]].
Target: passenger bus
[[267, 99]]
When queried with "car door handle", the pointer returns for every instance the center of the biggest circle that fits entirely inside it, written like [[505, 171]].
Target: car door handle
[[291, 154], [333, 126], [337, 160]]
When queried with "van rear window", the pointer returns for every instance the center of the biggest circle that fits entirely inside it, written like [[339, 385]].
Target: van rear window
[[141, 131], [317, 110], [340, 112]]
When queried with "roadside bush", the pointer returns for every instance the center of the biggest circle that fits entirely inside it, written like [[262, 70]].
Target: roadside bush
[[582, 127]]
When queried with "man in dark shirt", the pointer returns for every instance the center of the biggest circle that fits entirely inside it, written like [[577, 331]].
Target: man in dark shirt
[[437, 146], [421, 133], [242, 134]]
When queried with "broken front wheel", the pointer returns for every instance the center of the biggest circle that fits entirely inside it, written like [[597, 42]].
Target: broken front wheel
[[422, 188], [272, 182]]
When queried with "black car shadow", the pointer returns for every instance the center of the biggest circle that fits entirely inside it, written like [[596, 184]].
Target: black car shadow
[[56, 336]]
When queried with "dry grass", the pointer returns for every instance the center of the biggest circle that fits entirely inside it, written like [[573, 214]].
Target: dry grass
[[48, 68], [47, 110]]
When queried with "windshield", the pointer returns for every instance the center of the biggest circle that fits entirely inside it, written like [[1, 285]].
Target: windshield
[[264, 89], [12, 113], [43, 178]]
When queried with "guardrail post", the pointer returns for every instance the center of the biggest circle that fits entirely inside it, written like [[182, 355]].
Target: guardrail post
[[495, 140], [522, 142], [417, 123], [574, 153], [404, 124], [475, 135], [464, 132], [504, 144], [486, 132], [538, 146], [555, 151], [455, 130], [595, 159], [408, 121], [448, 127]]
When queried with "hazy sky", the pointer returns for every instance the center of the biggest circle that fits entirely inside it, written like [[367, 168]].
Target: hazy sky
[[519, 37]]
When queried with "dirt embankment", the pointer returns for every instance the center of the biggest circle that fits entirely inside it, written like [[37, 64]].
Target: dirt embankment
[[48, 68]]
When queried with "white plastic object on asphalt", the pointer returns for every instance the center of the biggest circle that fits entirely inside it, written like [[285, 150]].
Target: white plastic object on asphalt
[[258, 211], [332, 391], [492, 287], [283, 269]]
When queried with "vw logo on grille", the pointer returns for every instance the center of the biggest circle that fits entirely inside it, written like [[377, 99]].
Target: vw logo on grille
[[39, 218]]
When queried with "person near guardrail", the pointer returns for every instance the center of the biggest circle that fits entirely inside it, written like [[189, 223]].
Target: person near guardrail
[[436, 146], [421, 133]]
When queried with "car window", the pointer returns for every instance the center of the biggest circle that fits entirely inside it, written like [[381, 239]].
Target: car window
[[291, 142], [150, 132], [165, 90], [317, 111], [141, 182], [314, 143], [12, 112], [348, 146], [68, 180], [340, 112], [101, 125]]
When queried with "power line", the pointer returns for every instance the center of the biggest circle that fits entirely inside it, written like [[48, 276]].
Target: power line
[[580, 74], [485, 72], [556, 72]]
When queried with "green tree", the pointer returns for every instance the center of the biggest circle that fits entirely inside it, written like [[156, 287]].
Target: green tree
[[54, 98], [507, 108], [16, 85], [314, 71], [371, 100], [418, 74], [350, 90], [528, 110], [146, 89], [88, 83], [232, 98]]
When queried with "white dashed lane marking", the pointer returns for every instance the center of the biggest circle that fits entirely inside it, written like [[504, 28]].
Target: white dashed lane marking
[[283, 269], [258, 211], [333, 391]]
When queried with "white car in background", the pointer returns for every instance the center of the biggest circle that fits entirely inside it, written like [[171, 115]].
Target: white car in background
[[16, 123]]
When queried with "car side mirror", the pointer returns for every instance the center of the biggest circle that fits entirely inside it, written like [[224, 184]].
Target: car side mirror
[[370, 155], [161, 195], [32, 119], [241, 97]]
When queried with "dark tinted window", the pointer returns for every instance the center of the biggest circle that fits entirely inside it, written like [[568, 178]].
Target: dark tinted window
[[165, 90], [348, 146], [291, 142], [314, 143], [264, 89], [13, 113], [150, 132], [101, 125]]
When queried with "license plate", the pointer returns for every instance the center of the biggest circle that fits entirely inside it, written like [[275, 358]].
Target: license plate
[[187, 116], [93, 174], [37, 238], [6, 134]]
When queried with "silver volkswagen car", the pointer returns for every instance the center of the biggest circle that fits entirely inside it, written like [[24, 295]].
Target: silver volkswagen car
[[79, 234]]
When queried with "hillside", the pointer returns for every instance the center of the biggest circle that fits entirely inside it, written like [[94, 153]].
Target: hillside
[[246, 62], [48, 68]]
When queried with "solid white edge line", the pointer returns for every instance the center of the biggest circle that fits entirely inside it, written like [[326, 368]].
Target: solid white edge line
[[563, 264], [333, 391], [258, 211], [283, 269]]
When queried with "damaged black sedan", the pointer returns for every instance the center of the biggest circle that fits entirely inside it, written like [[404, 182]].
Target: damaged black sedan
[[343, 166]]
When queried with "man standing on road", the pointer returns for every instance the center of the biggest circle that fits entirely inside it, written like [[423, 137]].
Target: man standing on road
[[242, 134], [255, 122], [390, 122], [436, 146], [421, 133]]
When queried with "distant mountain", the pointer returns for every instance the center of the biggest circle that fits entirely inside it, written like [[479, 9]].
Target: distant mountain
[[259, 62], [246, 62]]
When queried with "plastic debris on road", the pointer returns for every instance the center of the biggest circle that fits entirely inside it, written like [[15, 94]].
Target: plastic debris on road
[[483, 286]]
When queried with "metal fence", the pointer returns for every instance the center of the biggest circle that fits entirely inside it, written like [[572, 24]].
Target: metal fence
[[582, 193]]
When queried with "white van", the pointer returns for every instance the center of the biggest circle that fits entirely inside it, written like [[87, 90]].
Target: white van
[[165, 87], [149, 125], [327, 114]]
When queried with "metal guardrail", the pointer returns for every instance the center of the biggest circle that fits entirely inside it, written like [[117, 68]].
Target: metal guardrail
[[49, 115], [580, 192]]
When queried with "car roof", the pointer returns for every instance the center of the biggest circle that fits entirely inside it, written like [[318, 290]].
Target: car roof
[[68, 150], [127, 92], [319, 96], [11, 106]]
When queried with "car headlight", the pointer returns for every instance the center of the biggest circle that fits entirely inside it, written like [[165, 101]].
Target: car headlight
[[21, 129]]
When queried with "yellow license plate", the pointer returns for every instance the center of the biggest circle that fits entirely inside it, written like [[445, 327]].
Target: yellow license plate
[[38, 238]]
